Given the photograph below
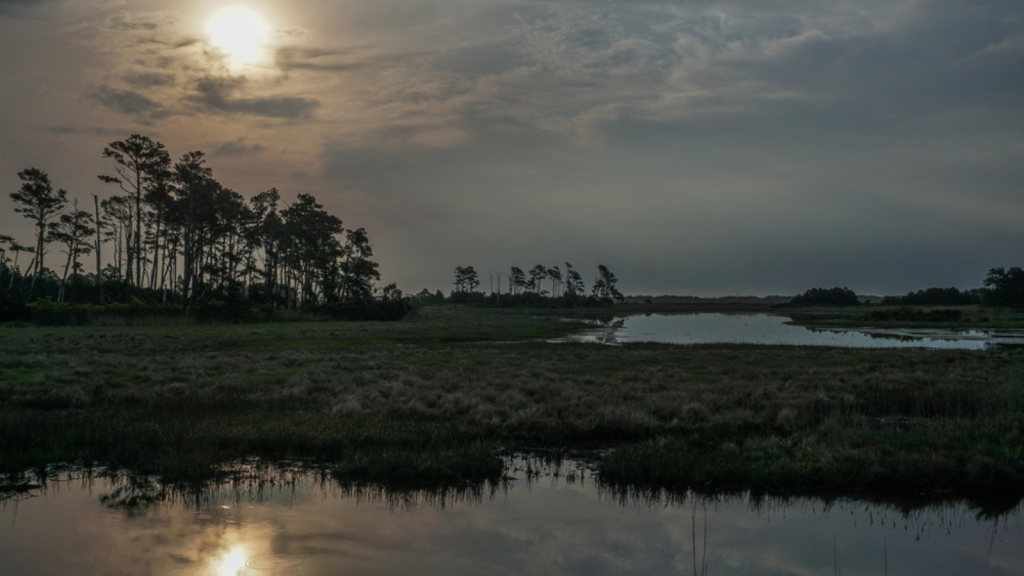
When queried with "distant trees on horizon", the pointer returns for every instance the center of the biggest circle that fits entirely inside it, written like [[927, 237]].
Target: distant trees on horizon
[[1002, 288], [937, 297], [529, 288], [826, 297]]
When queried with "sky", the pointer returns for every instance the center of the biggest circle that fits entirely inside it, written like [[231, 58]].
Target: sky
[[693, 147]]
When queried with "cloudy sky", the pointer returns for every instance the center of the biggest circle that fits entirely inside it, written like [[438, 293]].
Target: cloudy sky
[[694, 147]]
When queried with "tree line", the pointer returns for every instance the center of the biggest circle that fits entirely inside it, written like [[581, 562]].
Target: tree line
[[174, 234], [1002, 288], [540, 286]]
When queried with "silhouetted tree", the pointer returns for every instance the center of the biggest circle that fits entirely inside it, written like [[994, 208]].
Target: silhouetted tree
[[516, 280], [232, 252], [555, 274], [537, 274], [466, 279], [5, 241], [573, 281], [39, 202], [266, 234], [72, 230], [118, 220], [358, 271], [1005, 287], [160, 202], [604, 287], [140, 164], [15, 271]]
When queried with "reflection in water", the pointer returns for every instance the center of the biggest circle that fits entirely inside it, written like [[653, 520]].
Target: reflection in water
[[739, 328], [559, 521], [231, 562]]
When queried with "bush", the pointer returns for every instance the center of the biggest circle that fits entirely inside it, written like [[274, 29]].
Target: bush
[[426, 298], [378, 309], [48, 313], [231, 311], [389, 306], [14, 309]]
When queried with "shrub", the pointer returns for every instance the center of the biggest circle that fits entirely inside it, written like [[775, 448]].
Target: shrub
[[48, 313]]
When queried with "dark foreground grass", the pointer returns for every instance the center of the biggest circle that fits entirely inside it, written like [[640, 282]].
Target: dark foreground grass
[[440, 398], [185, 440]]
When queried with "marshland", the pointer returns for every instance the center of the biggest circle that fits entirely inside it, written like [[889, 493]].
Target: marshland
[[441, 396]]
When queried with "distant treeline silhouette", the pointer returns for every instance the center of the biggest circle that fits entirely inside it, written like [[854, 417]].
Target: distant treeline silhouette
[[528, 289], [1003, 288], [826, 297], [938, 297], [179, 238]]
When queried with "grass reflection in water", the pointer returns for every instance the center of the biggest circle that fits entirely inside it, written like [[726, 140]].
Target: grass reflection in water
[[546, 517]]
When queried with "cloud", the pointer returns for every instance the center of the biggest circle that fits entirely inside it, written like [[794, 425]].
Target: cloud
[[88, 131], [149, 79], [237, 147], [704, 144], [480, 59], [217, 94], [23, 8], [129, 102], [291, 58], [123, 23]]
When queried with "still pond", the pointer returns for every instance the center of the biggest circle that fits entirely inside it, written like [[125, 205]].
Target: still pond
[[297, 523]]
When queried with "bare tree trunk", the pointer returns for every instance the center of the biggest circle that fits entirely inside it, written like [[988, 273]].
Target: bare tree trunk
[[156, 254], [99, 242], [64, 277]]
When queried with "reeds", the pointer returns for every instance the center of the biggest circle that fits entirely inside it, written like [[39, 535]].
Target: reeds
[[440, 397]]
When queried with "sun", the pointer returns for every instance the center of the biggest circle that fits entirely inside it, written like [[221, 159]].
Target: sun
[[239, 34]]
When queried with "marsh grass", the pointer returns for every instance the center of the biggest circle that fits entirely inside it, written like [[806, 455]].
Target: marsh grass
[[926, 317], [442, 396]]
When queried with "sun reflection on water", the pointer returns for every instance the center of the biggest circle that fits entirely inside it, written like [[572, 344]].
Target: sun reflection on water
[[232, 562]]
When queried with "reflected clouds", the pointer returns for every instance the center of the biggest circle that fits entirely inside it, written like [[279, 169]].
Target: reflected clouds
[[550, 525]]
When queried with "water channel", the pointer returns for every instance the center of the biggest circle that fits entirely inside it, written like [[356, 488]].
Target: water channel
[[740, 328], [555, 521]]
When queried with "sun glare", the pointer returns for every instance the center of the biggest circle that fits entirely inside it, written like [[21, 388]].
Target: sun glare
[[231, 563], [239, 34]]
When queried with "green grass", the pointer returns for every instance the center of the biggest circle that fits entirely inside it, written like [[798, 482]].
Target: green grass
[[442, 396]]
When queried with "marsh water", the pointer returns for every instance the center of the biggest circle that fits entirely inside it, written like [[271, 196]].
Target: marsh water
[[739, 328], [556, 522]]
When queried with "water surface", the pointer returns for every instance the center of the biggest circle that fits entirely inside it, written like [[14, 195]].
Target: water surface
[[739, 328], [298, 524]]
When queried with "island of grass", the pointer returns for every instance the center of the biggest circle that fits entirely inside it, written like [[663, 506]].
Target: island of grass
[[440, 396]]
